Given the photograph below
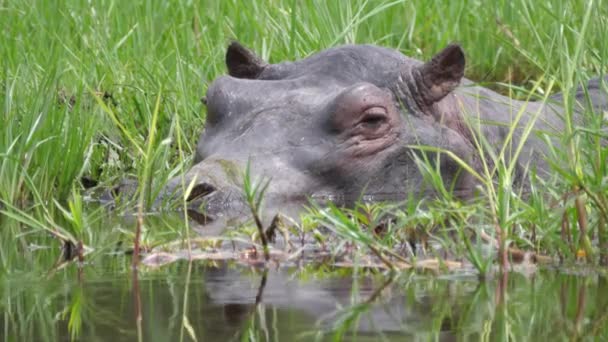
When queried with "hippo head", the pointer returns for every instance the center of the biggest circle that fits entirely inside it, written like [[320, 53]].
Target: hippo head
[[338, 124]]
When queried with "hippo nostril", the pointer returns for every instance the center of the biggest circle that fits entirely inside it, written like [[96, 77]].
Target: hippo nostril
[[200, 190]]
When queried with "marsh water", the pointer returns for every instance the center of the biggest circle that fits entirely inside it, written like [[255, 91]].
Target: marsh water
[[222, 302], [102, 299]]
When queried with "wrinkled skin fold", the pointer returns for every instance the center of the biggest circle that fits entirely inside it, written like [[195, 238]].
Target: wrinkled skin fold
[[351, 120]]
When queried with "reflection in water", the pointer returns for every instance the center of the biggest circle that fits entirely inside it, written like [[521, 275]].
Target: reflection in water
[[137, 304], [228, 303]]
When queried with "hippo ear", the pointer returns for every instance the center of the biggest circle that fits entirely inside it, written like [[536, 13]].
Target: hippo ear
[[442, 74], [243, 63]]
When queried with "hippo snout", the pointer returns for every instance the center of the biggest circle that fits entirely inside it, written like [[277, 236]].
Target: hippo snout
[[212, 178]]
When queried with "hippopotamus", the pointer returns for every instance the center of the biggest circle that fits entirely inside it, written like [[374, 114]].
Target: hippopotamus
[[356, 120]]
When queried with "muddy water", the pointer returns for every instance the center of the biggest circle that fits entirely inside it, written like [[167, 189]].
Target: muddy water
[[107, 302]]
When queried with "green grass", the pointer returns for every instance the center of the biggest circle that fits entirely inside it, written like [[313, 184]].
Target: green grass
[[111, 89]]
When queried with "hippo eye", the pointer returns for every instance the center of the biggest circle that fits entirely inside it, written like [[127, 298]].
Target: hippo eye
[[373, 118]]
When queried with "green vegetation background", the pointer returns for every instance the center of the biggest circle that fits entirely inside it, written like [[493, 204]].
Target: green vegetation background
[[110, 89]]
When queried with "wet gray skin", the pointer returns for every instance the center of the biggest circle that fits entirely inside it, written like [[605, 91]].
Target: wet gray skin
[[347, 121]]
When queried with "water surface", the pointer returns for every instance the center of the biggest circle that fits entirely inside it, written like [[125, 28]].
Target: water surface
[[222, 301]]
